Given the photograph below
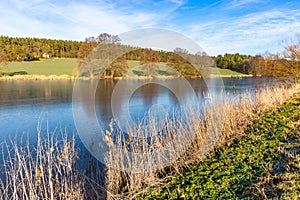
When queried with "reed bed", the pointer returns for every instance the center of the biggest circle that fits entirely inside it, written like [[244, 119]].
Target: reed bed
[[223, 121], [43, 171]]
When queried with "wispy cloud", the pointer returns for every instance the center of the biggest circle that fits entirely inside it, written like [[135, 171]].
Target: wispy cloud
[[219, 26], [75, 20], [251, 34], [233, 4]]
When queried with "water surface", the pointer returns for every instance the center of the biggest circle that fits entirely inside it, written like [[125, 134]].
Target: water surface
[[25, 103]]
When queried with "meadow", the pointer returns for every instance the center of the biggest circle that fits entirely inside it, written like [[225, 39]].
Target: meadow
[[47, 67], [67, 66], [163, 69]]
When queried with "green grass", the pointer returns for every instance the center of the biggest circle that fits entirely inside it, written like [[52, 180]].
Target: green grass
[[46, 67], [215, 70], [263, 164], [66, 66], [163, 67], [134, 70], [134, 63]]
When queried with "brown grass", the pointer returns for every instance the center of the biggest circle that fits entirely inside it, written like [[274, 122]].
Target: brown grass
[[46, 171]]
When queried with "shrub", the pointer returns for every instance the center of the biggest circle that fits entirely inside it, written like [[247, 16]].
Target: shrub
[[16, 73]]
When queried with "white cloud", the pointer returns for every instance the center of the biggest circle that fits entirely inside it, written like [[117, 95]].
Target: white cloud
[[240, 3], [76, 20], [250, 34], [213, 26], [178, 2]]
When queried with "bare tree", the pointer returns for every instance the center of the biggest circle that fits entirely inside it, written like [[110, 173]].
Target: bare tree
[[108, 38], [292, 58], [180, 50], [149, 61], [3, 60], [201, 53], [96, 56]]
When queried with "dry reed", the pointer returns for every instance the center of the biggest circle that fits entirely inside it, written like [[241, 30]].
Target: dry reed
[[222, 122], [45, 171]]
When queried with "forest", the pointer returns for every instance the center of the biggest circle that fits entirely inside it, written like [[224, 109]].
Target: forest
[[31, 49]]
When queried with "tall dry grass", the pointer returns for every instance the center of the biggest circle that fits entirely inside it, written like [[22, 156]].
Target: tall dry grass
[[45, 171], [222, 121]]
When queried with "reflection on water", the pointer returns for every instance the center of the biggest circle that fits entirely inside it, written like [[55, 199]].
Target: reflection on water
[[23, 102], [151, 97], [33, 92]]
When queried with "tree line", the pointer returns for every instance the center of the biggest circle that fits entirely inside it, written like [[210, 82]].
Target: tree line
[[284, 64], [235, 62], [183, 62], [30, 49]]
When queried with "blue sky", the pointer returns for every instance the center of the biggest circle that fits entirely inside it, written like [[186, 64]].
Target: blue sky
[[244, 26]]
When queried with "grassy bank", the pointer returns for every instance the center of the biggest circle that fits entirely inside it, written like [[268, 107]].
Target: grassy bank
[[163, 69], [212, 132], [263, 164], [67, 66]]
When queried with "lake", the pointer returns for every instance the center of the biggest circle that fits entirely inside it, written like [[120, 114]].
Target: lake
[[49, 105], [25, 103]]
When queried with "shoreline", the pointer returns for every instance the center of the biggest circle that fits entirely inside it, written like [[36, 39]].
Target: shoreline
[[67, 77], [272, 135]]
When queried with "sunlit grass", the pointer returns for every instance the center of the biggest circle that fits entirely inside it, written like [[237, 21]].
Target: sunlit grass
[[47, 67], [62, 66], [132, 64], [216, 71]]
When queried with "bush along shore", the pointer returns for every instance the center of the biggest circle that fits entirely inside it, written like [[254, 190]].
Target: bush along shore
[[36, 77], [18, 76], [264, 163]]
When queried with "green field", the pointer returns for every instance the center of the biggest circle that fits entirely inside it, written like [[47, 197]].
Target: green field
[[216, 71], [67, 65], [162, 67], [134, 69], [46, 67]]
